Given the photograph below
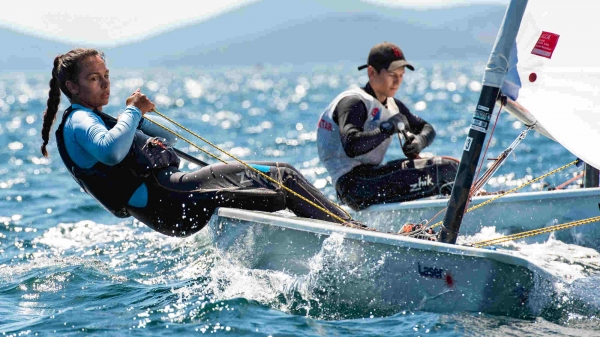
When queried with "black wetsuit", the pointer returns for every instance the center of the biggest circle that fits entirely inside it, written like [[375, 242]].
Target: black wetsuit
[[181, 203], [397, 180]]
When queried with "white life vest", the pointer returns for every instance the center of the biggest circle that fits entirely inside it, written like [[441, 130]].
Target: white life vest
[[329, 143]]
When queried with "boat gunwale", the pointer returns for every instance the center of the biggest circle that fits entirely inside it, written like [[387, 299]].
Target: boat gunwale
[[518, 197]]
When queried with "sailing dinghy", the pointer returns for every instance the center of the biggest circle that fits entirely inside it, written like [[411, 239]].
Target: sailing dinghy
[[384, 273], [380, 273], [552, 85], [510, 214]]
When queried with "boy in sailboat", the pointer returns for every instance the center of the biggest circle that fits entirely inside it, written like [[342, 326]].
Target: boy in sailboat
[[131, 169], [357, 128]]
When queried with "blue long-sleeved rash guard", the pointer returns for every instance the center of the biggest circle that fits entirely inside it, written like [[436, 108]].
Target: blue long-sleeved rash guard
[[88, 141]]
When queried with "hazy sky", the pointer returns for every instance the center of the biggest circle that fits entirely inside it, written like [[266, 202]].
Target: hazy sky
[[125, 20]]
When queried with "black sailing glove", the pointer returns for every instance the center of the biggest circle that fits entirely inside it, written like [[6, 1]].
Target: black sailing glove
[[392, 125], [413, 147]]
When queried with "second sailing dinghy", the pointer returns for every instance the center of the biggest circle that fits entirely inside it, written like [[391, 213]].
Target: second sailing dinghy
[[383, 273], [552, 85], [510, 214]]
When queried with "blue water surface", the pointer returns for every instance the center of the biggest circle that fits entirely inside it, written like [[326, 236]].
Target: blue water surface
[[68, 267]]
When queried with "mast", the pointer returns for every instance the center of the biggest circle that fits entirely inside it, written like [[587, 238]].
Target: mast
[[493, 79], [468, 165]]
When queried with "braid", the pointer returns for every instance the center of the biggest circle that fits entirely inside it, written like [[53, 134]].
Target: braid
[[52, 105], [66, 68]]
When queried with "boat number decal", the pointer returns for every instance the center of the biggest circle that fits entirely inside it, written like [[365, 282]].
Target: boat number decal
[[545, 45], [431, 272], [482, 115], [484, 108], [478, 128], [480, 123], [468, 144], [481, 119]]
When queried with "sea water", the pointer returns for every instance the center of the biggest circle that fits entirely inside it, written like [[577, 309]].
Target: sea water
[[68, 267]]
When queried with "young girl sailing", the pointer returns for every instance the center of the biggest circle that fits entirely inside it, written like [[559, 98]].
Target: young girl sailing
[[132, 173]]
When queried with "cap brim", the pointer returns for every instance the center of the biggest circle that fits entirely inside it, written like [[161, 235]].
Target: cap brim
[[400, 63]]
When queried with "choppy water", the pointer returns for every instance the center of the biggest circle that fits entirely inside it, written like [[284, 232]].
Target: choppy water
[[68, 267]]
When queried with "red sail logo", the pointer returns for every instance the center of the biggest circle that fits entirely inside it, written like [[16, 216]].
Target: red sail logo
[[545, 45]]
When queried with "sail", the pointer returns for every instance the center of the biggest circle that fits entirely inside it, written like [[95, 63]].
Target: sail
[[554, 71]]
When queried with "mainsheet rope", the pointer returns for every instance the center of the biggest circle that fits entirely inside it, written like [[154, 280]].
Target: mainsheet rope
[[326, 211], [516, 188]]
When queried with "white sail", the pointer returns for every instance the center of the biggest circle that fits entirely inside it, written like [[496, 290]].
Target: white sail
[[555, 72]]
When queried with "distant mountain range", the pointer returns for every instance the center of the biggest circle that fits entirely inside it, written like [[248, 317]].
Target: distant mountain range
[[290, 31], [23, 52]]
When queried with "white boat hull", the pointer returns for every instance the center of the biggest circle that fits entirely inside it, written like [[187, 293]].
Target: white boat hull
[[510, 214], [372, 273]]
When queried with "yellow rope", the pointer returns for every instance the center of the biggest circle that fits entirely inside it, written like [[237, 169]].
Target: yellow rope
[[186, 140], [248, 166], [515, 189], [526, 184], [535, 232]]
